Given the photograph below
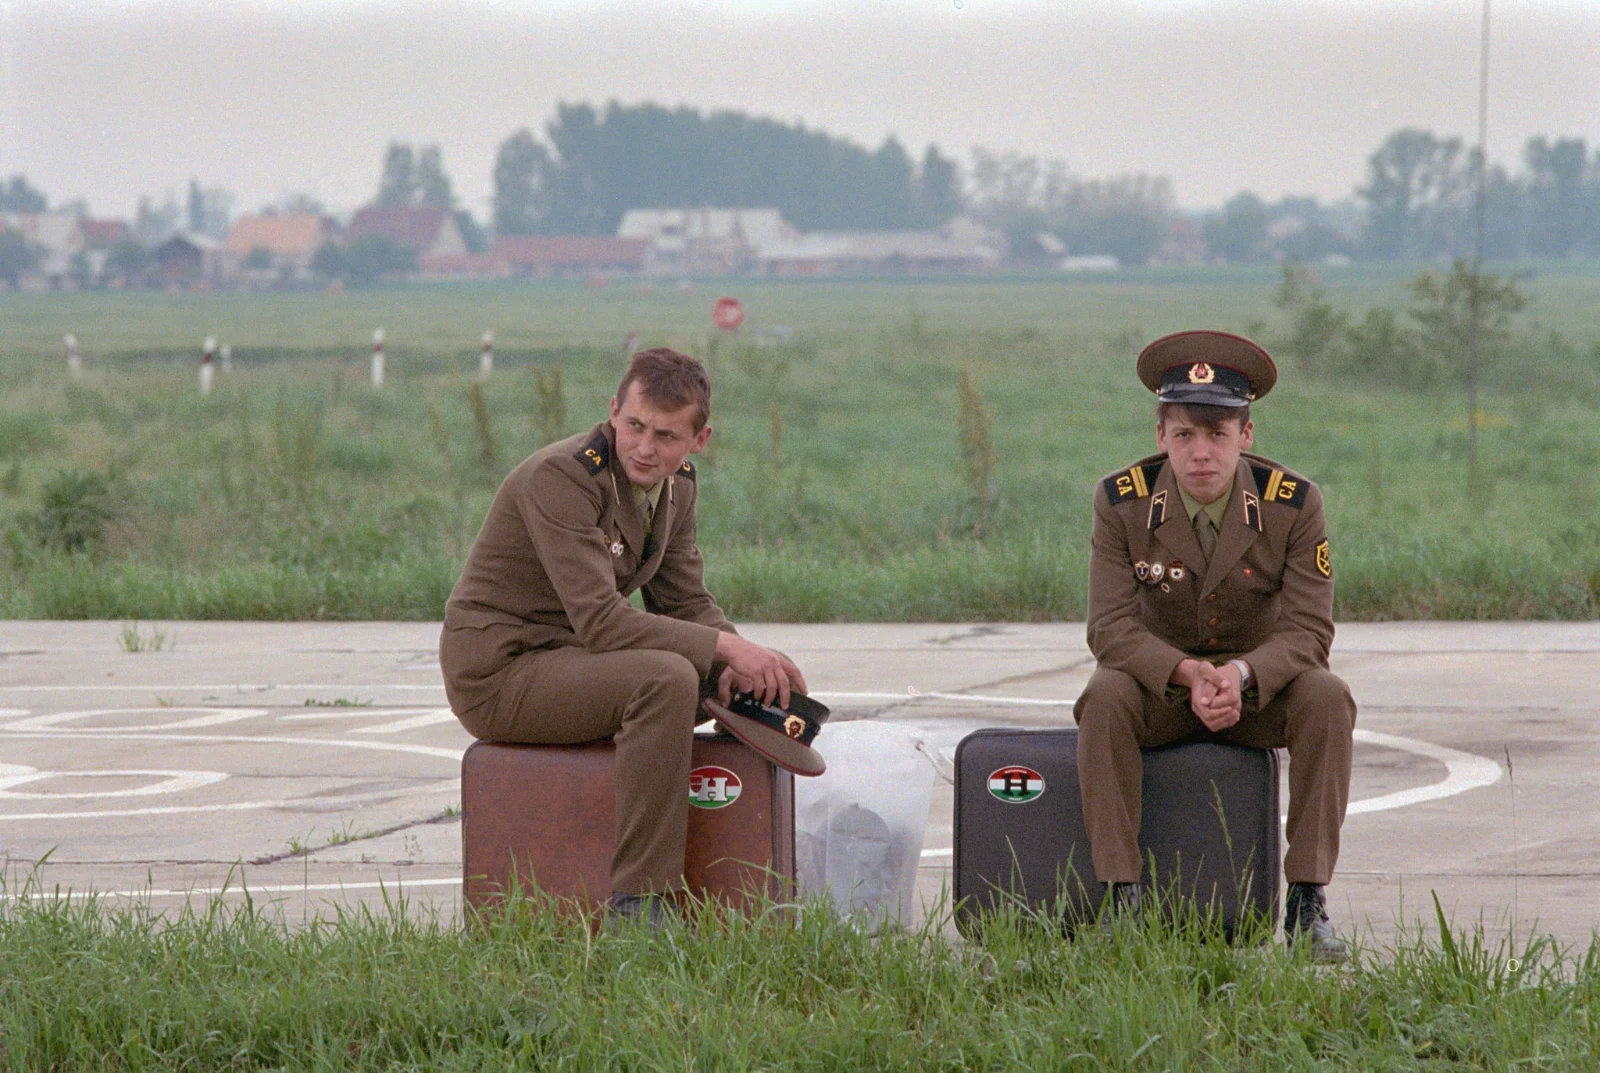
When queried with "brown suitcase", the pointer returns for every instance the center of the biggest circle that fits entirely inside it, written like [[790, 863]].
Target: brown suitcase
[[548, 811]]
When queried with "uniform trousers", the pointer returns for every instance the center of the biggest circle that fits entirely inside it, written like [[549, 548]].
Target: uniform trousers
[[646, 701], [1314, 716]]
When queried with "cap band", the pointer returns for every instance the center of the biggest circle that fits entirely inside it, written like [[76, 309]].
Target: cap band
[[800, 724], [1205, 384]]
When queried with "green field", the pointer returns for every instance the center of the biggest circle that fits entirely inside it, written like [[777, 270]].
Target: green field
[[89, 987], [834, 488]]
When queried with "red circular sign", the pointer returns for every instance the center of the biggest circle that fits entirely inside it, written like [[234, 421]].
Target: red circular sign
[[727, 313]]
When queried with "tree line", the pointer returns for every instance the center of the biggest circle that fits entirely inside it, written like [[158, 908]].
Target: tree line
[[596, 165], [1418, 200]]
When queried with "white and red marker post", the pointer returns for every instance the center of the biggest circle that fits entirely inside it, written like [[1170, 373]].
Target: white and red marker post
[[377, 359], [208, 368], [486, 357], [74, 359]]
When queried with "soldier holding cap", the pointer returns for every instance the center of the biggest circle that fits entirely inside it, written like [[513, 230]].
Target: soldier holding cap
[[1211, 614], [541, 643]]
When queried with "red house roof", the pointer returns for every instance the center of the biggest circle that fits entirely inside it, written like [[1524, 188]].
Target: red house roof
[[415, 228]]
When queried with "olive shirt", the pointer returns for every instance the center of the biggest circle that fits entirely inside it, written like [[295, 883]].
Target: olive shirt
[[1266, 596], [560, 552]]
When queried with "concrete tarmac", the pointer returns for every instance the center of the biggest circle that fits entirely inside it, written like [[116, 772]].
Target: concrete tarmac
[[317, 764]]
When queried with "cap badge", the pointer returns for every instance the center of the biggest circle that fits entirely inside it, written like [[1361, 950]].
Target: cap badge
[[1201, 373], [794, 726]]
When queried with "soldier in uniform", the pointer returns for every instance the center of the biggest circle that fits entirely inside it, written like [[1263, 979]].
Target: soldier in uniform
[[1211, 615], [541, 643]]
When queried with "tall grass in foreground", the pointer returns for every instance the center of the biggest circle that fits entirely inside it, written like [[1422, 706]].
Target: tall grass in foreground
[[232, 986]]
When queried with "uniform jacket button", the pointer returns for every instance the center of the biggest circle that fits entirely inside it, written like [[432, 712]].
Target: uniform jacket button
[[1213, 622], [1211, 642], [1212, 598]]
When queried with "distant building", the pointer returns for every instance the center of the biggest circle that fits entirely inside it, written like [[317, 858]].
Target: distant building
[[1089, 262], [103, 234], [704, 241], [426, 231], [569, 255], [289, 239], [960, 247], [56, 235], [1185, 244], [186, 260]]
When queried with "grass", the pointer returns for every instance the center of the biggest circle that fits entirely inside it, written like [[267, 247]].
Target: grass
[[232, 986], [133, 638], [847, 479]]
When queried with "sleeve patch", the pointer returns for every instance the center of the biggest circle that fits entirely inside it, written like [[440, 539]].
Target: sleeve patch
[[1276, 486], [687, 469], [596, 454], [1324, 560]]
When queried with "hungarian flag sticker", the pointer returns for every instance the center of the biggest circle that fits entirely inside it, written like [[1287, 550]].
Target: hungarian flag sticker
[[713, 787], [1016, 785]]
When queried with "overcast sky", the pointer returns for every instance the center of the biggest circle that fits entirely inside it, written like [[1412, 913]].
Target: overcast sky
[[108, 99]]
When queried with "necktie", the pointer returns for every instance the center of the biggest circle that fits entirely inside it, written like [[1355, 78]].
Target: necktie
[[1206, 533]]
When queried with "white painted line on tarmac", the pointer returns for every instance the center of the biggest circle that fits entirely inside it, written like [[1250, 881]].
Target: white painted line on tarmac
[[432, 718], [172, 782], [226, 806], [212, 717], [354, 713], [14, 713], [441, 752], [1463, 771], [912, 693], [398, 886], [241, 687]]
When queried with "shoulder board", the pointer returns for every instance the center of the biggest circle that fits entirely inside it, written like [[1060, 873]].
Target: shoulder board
[[687, 469], [1131, 483], [595, 454], [1277, 486]]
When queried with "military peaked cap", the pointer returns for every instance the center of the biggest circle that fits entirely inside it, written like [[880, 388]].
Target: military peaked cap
[[1207, 368]]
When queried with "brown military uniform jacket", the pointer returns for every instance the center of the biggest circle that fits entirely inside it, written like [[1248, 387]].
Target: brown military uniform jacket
[[562, 549], [1265, 597]]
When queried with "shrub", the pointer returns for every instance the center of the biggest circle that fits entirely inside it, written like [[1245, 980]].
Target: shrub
[[78, 509]]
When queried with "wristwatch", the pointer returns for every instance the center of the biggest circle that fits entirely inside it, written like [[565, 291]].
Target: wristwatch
[[1244, 673]]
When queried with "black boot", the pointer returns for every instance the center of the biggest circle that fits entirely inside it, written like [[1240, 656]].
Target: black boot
[[1124, 905], [1305, 919], [651, 911]]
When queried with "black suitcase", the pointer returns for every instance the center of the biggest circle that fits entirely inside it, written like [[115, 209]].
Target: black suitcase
[[1209, 821]]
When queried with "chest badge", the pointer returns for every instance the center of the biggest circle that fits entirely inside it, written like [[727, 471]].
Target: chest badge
[[616, 549], [1141, 570], [1157, 571], [1176, 571]]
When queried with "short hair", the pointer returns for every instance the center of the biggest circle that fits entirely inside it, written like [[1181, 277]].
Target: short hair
[[671, 381], [1200, 415]]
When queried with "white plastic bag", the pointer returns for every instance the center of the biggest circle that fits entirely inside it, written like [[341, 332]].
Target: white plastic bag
[[859, 826]]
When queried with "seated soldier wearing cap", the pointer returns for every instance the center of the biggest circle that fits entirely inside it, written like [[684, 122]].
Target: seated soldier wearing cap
[[1211, 615], [541, 643]]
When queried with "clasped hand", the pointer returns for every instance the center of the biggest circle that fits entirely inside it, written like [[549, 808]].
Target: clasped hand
[[1214, 694]]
